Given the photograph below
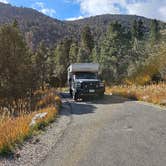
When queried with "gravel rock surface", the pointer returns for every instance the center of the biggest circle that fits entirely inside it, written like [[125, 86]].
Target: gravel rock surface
[[36, 149], [112, 132]]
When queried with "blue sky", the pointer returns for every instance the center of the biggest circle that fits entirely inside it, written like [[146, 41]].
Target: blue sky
[[76, 9]]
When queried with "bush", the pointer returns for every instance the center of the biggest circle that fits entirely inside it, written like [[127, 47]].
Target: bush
[[154, 93], [15, 129]]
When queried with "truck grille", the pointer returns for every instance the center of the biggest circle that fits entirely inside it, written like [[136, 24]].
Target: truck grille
[[89, 85]]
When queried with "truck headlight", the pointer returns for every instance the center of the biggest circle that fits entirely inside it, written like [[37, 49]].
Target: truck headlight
[[101, 84]]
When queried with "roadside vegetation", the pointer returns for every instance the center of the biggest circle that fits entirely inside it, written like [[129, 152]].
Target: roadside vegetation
[[145, 82], [27, 101], [154, 93], [18, 124]]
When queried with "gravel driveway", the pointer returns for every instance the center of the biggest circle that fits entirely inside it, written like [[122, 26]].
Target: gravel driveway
[[109, 132], [112, 132]]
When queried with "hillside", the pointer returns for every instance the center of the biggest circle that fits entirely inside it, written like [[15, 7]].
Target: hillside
[[34, 23], [100, 23]]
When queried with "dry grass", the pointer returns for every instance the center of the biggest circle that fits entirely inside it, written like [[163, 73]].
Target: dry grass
[[15, 129], [155, 93], [12, 131]]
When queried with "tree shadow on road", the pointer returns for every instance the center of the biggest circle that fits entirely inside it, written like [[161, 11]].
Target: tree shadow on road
[[88, 106], [76, 108], [80, 108], [110, 99]]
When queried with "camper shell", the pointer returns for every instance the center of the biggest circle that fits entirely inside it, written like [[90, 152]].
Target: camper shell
[[83, 80]]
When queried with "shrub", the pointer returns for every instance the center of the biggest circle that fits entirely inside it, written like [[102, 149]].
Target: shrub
[[15, 129], [154, 93]]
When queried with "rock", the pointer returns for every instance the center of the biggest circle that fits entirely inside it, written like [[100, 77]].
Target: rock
[[36, 141], [17, 155], [36, 117]]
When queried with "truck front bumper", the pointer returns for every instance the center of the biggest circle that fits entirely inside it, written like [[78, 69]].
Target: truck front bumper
[[90, 92]]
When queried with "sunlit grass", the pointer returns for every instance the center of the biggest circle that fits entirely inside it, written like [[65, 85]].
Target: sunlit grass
[[15, 129], [154, 93]]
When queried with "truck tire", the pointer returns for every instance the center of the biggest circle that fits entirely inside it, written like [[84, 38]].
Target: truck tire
[[71, 92], [75, 96], [101, 95]]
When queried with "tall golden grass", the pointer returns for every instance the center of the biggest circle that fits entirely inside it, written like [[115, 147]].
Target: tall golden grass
[[154, 93], [15, 129]]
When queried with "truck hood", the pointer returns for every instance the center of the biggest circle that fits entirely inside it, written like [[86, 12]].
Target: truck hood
[[87, 80]]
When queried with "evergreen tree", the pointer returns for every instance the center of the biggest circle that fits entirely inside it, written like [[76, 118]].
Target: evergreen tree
[[96, 54], [137, 30], [134, 30], [113, 52], [87, 39], [140, 30], [15, 23], [62, 60], [15, 63], [154, 32], [41, 65], [84, 56], [73, 53], [87, 45]]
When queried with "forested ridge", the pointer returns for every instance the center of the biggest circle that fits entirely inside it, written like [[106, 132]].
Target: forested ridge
[[129, 49], [33, 23]]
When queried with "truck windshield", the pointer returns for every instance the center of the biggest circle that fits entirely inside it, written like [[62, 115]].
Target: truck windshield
[[84, 75]]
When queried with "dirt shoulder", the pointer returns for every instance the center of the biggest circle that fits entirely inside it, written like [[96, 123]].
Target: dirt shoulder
[[37, 148]]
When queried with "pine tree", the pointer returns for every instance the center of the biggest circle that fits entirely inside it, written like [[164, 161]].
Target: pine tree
[[62, 60], [113, 52], [87, 45], [154, 31], [140, 30], [41, 65], [73, 53], [87, 39], [134, 30], [137, 31], [15, 24], [15, 63]]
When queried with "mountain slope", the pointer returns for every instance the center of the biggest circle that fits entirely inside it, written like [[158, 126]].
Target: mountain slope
[[31, 21], [40, 27], [99, 24]]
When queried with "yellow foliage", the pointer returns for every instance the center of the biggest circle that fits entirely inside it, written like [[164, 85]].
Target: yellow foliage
[[15, 130], [58, 100], [154, 93]]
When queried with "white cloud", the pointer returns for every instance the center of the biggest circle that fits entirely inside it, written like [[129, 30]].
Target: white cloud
[[75, 18], [4, 1], [40, 6], [95, 7], [147, 8]]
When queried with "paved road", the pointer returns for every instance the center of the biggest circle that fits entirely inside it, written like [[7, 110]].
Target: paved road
[[112, 132]]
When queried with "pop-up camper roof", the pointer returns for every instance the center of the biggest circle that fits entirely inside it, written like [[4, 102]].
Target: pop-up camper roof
[[83, 67]]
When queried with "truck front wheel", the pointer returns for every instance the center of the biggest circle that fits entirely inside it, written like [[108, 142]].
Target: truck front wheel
[[71, 92], [101, 95], [75, 96]]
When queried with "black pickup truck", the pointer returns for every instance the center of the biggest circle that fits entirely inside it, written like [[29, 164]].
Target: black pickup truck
[[83, 80]]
